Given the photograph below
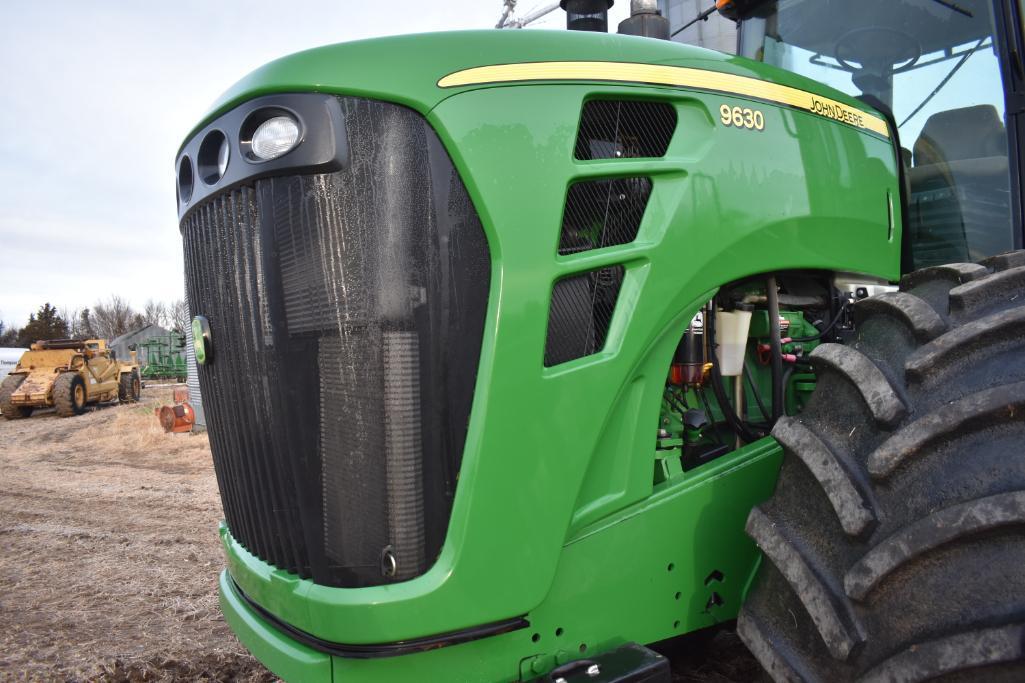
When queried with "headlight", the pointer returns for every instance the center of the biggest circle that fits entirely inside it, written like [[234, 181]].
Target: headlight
[[275, 137]]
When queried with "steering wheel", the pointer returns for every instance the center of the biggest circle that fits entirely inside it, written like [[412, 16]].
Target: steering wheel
[[891, 46]]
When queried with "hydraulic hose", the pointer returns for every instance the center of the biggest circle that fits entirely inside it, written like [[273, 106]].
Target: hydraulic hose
[[826, 329], [772, 299], [754, 390]]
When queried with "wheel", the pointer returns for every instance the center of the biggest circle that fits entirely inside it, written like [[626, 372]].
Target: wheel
[[129, 387], [894, 543], [7, 387], [69, 394]]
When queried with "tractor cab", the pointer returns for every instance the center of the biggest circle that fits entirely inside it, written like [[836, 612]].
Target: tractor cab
[[945, 74]]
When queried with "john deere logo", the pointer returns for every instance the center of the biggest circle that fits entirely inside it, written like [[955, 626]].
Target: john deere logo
[[201, 340]]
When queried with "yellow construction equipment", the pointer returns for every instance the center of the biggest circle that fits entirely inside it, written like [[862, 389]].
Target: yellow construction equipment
[[67, 374]]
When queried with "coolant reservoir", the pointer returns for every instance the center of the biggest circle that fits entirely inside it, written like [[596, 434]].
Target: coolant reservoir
[[731, 338]]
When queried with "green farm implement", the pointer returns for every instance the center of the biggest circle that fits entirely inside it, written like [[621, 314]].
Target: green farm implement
[[165, 358], [526, 353]]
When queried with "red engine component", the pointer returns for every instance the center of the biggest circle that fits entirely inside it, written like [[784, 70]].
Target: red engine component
[[176, 419]]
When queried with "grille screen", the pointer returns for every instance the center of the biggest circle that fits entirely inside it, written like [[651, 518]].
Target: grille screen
[[346, 312], [580, 314], [614, 129], [603, 213]]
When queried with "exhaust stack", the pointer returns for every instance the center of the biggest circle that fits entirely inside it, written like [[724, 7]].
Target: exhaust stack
[[645, 20]]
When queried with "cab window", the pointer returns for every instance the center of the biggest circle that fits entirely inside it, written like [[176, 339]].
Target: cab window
[[934, 67]]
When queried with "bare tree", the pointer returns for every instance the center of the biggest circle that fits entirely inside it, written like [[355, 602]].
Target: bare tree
[[71, 320], [178, 315], [155, 313], [80, 323], [8, 334], [114, 317]]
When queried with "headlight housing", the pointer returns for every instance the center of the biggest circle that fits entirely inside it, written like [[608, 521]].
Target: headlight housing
[[295, 132]]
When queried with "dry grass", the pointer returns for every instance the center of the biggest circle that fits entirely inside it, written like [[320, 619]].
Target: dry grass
[[135, 432]]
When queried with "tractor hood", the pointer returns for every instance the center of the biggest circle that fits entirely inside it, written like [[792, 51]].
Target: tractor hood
[[410, 69]]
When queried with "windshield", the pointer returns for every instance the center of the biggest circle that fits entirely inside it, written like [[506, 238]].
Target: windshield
[[933, 66]]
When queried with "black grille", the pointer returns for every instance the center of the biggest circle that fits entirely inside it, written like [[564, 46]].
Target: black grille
[[603, 213], [613, 129], [346, 313], [580, 314]]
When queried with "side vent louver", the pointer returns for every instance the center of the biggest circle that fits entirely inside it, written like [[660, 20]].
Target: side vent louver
[[603, 213], [580, 314], [615, 129]]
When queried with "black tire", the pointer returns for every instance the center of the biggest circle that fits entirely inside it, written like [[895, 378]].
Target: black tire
[[7, 387], [69, 397], [895, 541], [129, 387]]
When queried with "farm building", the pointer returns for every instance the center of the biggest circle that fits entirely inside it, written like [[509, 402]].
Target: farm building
[[130, 341]]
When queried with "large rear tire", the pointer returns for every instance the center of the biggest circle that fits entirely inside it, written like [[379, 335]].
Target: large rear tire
[[895, 541], [69, 396], [7, 387], [129, 387]]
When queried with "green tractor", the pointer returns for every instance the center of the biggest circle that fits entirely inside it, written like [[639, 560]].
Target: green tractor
[[526, 353]]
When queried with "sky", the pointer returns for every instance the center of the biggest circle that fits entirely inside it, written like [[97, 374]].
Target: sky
[[96, 98]]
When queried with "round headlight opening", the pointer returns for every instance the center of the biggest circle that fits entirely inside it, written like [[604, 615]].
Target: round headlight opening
[[212, 160], [185, 181], [274, 137]]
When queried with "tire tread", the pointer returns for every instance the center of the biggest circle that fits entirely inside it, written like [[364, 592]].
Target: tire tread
[[776, 658], [966, 650], [850, 500], [62, 398], [828, 607], [952, 524], [881, 398], [921, 318], [7, 387], [973, 337]]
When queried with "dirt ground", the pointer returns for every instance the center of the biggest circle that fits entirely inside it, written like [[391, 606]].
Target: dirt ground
[[109, 557], [109, 553]]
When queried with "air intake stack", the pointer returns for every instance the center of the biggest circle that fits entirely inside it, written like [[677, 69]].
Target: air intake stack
[[587, 15]]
